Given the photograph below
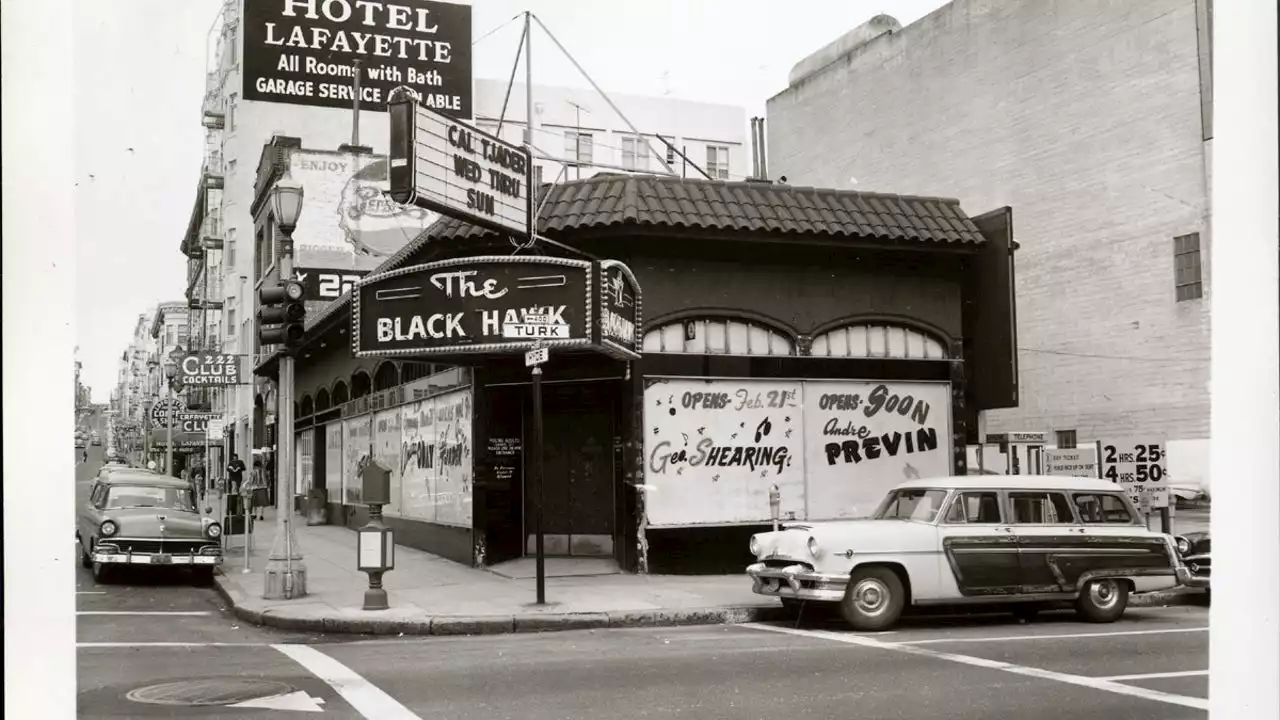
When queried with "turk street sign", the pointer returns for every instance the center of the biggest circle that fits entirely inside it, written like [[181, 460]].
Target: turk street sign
[[210, 369], [456, 169], [487, 304]]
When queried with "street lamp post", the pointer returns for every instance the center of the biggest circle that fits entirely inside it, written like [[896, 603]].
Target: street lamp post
[[170, 372], [286, 575]]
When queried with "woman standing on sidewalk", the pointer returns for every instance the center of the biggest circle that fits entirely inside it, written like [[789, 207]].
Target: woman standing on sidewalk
[[255, 491]]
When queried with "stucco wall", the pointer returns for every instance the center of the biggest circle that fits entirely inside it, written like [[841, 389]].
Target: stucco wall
[[1084, 116]]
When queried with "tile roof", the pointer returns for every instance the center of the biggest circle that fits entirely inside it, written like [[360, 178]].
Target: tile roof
[[654, 201], [609, 200]]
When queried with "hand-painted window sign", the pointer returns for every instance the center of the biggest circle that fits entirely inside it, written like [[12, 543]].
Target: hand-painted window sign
[[456, 169]]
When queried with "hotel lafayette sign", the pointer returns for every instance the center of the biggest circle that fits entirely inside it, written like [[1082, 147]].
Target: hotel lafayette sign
[[496, 305], [300, 52], [441, 164]]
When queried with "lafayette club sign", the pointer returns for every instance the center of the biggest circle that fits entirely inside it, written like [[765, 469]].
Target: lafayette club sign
[[494, 305]]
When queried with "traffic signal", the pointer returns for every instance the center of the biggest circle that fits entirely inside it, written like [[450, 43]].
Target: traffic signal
[[280, 314]]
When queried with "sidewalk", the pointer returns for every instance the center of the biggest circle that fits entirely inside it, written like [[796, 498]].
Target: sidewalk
[[430, 595]]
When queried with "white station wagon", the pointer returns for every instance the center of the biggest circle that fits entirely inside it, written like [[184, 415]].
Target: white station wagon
[[1019, 539]]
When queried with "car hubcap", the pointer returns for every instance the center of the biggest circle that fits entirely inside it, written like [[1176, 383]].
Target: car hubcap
[[871, 597], [1105, 594]]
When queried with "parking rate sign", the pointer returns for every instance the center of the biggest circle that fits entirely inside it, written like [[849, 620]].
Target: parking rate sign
[[1137, 464]]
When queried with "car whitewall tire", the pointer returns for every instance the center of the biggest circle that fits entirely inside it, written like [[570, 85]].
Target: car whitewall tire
[[1103, 600], [873, 599]]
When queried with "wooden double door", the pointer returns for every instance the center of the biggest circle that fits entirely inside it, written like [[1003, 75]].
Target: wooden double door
[[578, 471]]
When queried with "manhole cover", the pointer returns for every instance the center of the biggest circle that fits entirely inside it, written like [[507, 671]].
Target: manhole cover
[[210, 691]]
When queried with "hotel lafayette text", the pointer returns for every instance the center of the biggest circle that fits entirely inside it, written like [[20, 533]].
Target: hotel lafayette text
[[301, 52], [451, 167]]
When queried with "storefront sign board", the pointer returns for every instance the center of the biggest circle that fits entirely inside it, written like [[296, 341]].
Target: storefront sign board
[[463, 305], [211, 369], [300, 52]]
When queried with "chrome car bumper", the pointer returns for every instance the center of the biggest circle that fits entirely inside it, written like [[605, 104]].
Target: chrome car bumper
[[1193, 578], [797, 582], [145, 558]]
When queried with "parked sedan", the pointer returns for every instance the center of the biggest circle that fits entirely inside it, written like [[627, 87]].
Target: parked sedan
[[1023, 540], [1193, 548], [134, 517]]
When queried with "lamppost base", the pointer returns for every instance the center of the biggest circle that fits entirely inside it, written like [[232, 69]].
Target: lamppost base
[[284, 580], [375, 599]]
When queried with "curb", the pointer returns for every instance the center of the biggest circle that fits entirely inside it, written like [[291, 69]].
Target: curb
[[493, 624], [454, 625]]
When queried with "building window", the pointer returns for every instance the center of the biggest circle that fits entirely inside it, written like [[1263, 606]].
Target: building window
[[231, 113], [635, 153], [231, 166], [876, 340], [577, 147], [231, 248], [717, 336], [1186, 267], [231, 321], [1066, 439], [718, 162]]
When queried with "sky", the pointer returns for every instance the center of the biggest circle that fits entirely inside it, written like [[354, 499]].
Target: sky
[[139, 78]]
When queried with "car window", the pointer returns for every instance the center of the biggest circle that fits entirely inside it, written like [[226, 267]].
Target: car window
[[922, 505], [1041, 508], [148, 496], [976, 507], [1102, 508]]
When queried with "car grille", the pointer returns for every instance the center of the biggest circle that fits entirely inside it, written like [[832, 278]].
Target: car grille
[[172, 547], [782, 563]]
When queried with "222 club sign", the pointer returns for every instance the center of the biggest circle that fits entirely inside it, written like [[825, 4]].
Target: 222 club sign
[[473, 305]]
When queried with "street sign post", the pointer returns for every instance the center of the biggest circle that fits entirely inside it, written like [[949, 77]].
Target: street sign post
[[536, 358]]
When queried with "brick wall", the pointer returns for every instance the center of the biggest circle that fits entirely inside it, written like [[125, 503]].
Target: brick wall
[[1084, 116]]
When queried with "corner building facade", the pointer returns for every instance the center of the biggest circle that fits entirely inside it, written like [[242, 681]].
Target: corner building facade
[[828, 343], [1094, 119]]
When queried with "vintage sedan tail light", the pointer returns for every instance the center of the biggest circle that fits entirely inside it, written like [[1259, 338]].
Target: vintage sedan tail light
[[754, 545], [107, 528]]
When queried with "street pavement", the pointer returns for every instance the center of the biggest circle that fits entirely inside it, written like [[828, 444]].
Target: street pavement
[[157, 645], [141, 631]]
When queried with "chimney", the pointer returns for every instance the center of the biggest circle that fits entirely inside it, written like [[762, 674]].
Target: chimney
[[755, 150]]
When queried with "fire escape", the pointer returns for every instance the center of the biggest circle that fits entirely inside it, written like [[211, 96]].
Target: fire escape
[[203, 241]]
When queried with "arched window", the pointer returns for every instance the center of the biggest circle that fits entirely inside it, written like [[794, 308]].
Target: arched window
[[718, 336], [340, 395], [360, 384], [879, 340], [322, 400], [386, 376], [308, 406]]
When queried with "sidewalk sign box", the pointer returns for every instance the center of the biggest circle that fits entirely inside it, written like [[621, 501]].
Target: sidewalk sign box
[[1137, 464]]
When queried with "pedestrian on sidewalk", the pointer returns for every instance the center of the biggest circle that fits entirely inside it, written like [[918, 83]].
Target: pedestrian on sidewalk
[[235, 474], [256, 491]]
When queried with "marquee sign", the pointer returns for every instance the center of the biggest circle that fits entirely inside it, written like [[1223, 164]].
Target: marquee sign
[[454, 168], [466, 305], [210, 369], [618, 330], [497, 304]]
